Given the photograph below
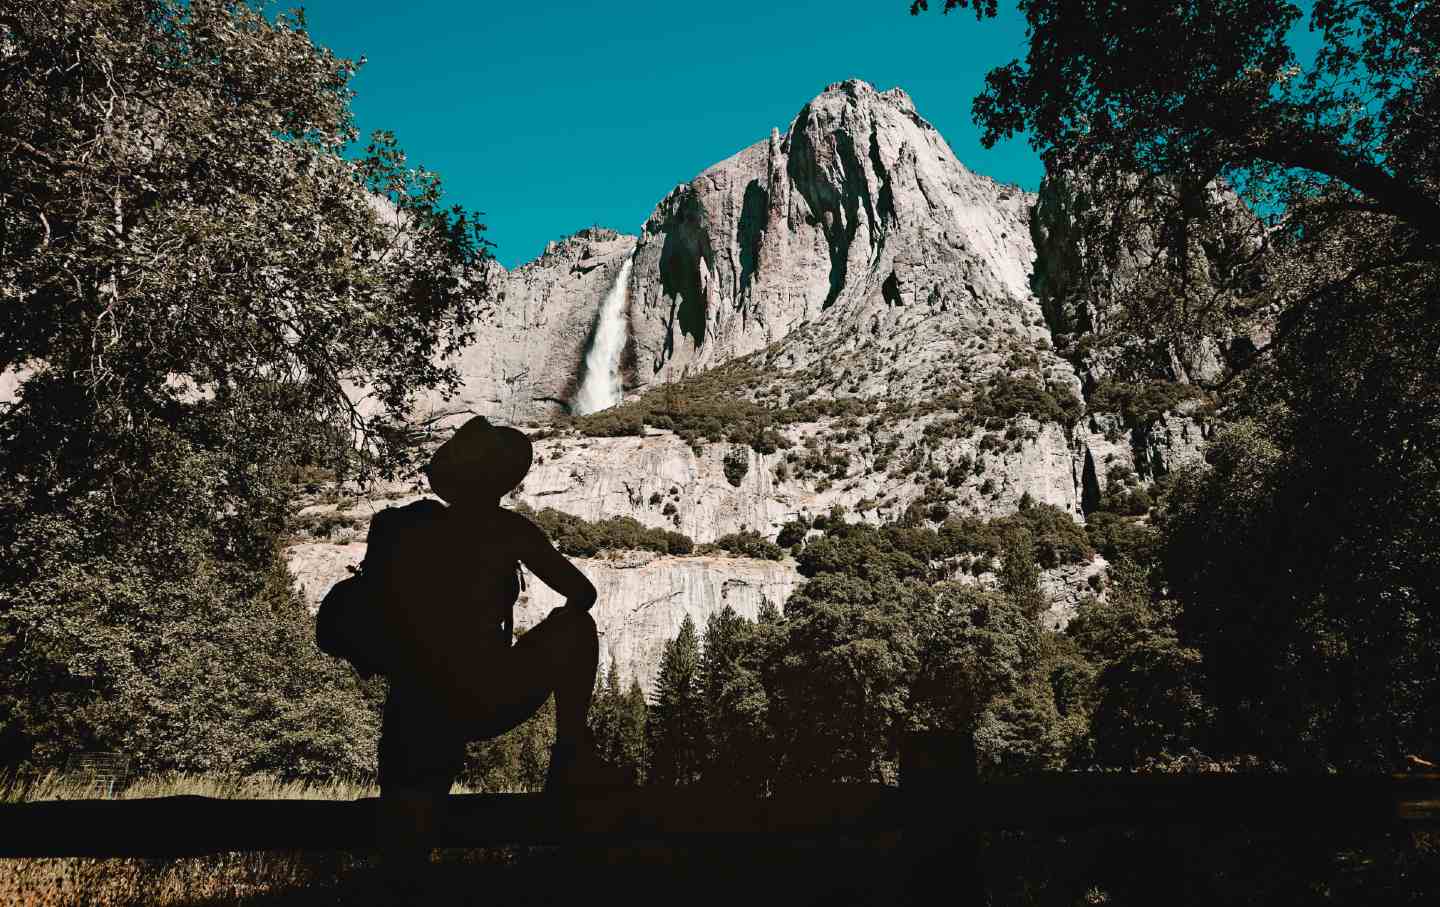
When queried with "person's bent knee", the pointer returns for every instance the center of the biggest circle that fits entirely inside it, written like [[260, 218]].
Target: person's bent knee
[[575, 621], [581, 635]]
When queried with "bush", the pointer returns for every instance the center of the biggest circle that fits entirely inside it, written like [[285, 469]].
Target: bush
[[1007, 397], [1057, 538], [1127, 501], [746, 543], [792, 533], [737, 464], [577, 537], [1116, 537], [1142, 402]]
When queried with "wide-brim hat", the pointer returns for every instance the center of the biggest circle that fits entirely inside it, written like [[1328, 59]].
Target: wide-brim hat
[[480, 459]]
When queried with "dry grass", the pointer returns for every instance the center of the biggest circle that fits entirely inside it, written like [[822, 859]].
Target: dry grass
[[231, 878]]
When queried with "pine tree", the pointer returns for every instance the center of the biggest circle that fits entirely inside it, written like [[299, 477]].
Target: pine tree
[[605, 716], [632, 713], [738, 738], [1019, 577], [675, 729]]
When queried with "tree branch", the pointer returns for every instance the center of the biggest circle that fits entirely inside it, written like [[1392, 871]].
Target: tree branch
[[1391, 195]]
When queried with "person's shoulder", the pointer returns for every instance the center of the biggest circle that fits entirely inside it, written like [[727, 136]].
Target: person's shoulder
[[421, 507], [411, 514], [523, 528]]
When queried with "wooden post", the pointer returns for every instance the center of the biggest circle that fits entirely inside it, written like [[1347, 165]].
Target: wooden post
[[939, 776]]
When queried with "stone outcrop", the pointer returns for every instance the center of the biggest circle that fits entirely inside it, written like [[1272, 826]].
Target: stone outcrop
[[859, 225], [1103, 444]]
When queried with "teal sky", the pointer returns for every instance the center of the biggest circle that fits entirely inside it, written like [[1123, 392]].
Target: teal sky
[[552, 117]]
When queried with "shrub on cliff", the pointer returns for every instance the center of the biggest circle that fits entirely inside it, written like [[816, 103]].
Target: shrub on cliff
[[736, 465], [578, 537], [1140, 403], [1007, 397], [1056, 537], [746, 543]]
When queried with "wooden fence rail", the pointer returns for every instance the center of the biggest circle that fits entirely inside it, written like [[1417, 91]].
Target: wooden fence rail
[[933, 802]]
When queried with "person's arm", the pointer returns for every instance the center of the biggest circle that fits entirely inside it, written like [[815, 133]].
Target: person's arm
[[553, 568]]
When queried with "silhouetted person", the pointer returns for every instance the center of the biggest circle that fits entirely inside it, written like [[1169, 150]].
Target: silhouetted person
[[448, 578]]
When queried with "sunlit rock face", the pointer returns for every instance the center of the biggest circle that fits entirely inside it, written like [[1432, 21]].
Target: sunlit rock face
[[859, 224], [642, 600], [663, 482]]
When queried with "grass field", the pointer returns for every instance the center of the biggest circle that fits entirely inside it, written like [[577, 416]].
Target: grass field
[[641, 875], [231, 878]]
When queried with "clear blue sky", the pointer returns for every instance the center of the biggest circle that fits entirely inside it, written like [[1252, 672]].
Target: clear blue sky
[[553, 116]]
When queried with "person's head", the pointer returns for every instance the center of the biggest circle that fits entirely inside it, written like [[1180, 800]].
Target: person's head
[[480, 463]]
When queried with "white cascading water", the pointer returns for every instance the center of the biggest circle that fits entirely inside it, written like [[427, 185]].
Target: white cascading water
[[600, 386]]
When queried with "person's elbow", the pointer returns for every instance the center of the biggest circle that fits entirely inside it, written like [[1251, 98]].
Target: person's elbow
[[582, 597]]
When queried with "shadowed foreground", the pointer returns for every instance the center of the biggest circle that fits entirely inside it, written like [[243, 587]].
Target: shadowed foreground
[[1089, 838]]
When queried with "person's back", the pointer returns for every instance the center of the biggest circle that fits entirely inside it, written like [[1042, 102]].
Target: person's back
[[449, 581]]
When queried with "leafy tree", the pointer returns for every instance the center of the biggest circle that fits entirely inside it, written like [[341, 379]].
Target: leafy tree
[[1018, 726], [1146, 691], [676, 721], [843, 678], [974, 643], [1019, 577], [1159, 104], [142, 266], [1315, 610], [1295, 554], [194, 283]]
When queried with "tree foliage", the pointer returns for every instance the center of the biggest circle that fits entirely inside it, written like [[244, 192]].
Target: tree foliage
[[179, 219], [676, 727], [196, 287], [1163, 105], [1300, 558]]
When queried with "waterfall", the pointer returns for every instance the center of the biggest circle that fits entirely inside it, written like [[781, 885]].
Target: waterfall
[[600, 384]]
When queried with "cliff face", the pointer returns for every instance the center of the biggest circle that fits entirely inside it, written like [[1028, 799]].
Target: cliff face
[[642, 600], [662, 481]]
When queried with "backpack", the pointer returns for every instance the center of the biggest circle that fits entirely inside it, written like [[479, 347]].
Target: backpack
[[348, 624]]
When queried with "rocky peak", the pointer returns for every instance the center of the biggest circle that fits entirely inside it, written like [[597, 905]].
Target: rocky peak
[[857, 222]]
